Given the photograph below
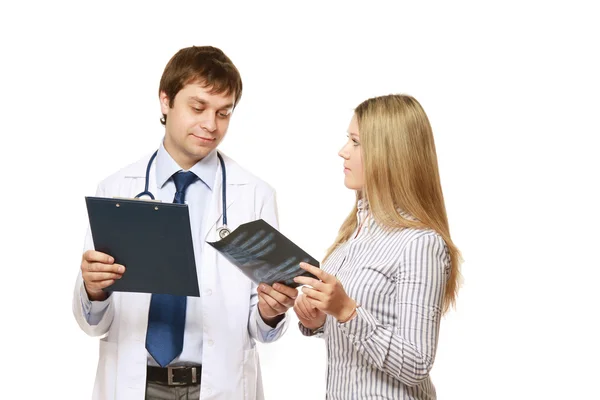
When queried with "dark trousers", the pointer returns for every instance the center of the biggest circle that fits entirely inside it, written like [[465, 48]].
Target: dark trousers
[[155, 391]]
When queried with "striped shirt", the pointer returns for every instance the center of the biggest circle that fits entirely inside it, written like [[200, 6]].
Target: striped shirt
[[398, 277]]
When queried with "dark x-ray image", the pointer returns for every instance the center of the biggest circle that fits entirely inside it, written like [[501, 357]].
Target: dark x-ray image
[[264, 254]]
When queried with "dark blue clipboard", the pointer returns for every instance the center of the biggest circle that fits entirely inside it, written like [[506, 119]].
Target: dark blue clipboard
[[153, 240]]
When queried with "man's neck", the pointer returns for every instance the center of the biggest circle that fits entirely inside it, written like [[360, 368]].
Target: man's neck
[[179, 157]]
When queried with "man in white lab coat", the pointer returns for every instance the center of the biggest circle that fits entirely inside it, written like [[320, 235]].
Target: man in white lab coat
[[160, 346]]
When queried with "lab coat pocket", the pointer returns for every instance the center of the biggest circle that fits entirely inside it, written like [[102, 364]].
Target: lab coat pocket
[[250, 368], [107, 367]]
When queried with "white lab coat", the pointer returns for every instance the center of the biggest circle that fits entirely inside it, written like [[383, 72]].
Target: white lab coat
[[230, 364]]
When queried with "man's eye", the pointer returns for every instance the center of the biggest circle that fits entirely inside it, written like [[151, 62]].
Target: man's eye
[[223, 114], [198, 110]]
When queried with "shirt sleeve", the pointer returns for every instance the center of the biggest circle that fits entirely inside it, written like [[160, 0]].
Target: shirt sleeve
[[94, 310], [93, 317]]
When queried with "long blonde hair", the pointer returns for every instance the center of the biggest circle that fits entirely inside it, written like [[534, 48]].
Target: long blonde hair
[[401, 172]]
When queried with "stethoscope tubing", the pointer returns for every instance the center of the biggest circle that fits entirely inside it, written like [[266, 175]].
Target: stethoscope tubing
[[223, 231]]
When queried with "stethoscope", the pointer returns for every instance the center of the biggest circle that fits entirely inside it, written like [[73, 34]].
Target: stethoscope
[[223, 230]]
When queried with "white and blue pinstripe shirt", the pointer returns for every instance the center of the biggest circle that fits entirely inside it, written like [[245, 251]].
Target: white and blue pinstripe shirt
[[398, 277]]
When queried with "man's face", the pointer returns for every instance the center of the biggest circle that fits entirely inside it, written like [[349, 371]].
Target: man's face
[[196, 123]]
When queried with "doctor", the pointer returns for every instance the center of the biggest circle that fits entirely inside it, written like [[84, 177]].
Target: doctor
[[167, 347]]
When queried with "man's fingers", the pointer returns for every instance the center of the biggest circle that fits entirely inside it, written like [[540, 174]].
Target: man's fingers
[[286, 290], [96, 256], [99, 267], [271, 303], [281, 298], [103, 276], [98, 276]]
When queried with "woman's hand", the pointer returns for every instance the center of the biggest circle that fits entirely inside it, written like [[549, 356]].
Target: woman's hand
[[309, 316], [327, 294]]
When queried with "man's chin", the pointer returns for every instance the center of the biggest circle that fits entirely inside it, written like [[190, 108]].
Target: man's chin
[[199, 152]]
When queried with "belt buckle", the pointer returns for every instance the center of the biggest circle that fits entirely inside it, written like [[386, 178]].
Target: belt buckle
[[170, 381]]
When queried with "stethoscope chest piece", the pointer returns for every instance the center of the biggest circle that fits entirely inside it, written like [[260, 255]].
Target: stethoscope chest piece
[[223, 232]]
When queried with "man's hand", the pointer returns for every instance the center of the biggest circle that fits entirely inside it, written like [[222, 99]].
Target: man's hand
[[99, 271], [274, 301], [309, 315]]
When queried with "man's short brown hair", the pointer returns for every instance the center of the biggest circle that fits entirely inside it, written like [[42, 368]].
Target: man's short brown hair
[[205, 65]]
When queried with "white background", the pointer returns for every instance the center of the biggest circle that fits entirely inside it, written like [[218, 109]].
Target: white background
[[512, 92]]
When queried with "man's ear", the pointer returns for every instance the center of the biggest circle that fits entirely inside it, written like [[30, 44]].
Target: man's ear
[[164, 102]]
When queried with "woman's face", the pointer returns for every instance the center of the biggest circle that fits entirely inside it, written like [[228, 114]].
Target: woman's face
[[351, 153]]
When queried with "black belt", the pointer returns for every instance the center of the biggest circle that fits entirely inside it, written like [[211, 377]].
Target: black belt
[[175, 376]]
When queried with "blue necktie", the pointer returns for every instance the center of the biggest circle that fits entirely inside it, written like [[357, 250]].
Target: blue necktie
[[166, 319]]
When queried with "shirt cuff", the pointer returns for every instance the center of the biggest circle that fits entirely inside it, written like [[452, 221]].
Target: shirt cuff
[[361, 327], [267, 330], [93, 308], [310, 332]]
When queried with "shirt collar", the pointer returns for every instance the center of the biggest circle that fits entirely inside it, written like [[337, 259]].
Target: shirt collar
[[363, 210], [362, 204], [166, 166]]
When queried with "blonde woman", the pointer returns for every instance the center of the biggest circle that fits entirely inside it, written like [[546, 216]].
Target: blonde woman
[[393, 269]]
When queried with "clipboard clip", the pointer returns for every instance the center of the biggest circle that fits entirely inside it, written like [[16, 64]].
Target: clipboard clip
[[136, 198]]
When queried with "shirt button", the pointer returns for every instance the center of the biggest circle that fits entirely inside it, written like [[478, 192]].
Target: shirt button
[[211, 343], [208, 292]]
